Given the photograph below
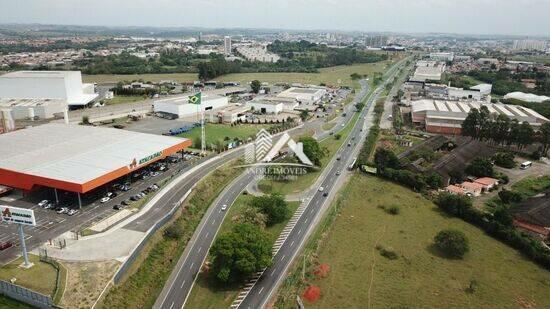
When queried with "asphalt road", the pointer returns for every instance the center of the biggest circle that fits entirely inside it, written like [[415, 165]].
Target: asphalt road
[[260, 293], [181, 281]]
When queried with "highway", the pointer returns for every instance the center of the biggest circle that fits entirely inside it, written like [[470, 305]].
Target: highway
[[181, 281], [260, 292]]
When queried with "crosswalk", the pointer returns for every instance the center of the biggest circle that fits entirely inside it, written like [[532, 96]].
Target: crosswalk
[[276, 247]]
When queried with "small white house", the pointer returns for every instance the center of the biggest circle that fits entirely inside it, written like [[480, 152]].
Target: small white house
[[265, 107]]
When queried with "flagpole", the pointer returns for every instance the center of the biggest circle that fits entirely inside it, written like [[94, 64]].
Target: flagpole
[[203, 133]]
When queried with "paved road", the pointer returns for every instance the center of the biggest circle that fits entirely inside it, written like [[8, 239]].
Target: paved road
[[260, 293], [180, 283]]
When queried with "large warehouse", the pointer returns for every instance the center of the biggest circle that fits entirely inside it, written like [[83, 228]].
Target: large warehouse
[[304, 95], [47, 85], [180, 107], [446, 117], [77, 158]]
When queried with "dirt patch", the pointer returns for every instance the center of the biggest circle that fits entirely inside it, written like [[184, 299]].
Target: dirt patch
[[85, 281], [322, 271]]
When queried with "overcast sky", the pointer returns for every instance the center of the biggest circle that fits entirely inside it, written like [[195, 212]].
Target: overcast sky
[[523, 17]]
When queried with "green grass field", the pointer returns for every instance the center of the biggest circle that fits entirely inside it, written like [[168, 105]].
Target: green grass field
[[329, 76], [123, 99], [305, 181], [360, 277], [40, 278], [206, 294], [215, 132], [527, 187]]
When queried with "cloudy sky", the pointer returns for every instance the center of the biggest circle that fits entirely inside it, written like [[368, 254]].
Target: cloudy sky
[[523, 17]]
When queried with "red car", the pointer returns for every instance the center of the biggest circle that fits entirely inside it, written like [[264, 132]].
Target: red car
[[5, 245]]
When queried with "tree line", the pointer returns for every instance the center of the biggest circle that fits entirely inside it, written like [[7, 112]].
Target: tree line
[[481, 125]]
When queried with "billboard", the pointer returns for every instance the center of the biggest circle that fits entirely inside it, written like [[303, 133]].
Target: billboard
[[17, 215]]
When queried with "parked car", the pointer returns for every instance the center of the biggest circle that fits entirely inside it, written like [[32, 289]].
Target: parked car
[[105, 199], [127, 202], [338, 173], [72, 212], [125, 188], [43, 203], [5, 245], [321, 189], [49, 206], [63, 210], [118, 207]]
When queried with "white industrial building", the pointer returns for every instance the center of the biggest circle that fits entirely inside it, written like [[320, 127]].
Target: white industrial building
[[527, 97], [33, 108], [442, 56], [428, 70], [446, 117], [47, 85], [266, 107], [306, 96], [257, 53], [180, 106]]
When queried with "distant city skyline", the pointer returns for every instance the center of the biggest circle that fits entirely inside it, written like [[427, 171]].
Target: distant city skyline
[[500, 17]]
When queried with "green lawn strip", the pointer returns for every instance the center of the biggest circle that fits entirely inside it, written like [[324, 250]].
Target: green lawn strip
[[328, 125], [146, 279], [420, 277], [219, 132], [119, 99], [206, 293], [305, 181], [40, 278]]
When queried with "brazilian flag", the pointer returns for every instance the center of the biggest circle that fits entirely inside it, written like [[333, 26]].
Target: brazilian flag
[[195, 99]]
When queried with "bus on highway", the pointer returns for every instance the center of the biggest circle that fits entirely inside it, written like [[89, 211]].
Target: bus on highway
[[351, 166]]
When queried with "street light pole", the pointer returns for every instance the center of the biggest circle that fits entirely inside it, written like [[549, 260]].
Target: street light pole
[[27, 264]]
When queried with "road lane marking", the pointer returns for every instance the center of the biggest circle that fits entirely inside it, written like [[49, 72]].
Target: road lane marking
[[261, 290], [292, 243], [181, 287], [172, 306], [198, 251], [191, 265]]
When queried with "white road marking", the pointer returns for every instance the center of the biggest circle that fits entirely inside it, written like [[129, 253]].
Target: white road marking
[[191, 265], [172, 306], [200, 248], [261, 290], [181, 287]]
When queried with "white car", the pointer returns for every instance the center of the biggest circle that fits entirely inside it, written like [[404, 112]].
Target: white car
[[105, 199], [63, 210], [224, 207], [321, 189], [72, 212], [43, 203]]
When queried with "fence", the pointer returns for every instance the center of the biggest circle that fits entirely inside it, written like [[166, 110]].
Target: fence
[[43, 254], [25, 295]]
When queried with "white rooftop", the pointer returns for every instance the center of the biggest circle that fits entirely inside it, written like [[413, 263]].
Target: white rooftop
[[74, 153]]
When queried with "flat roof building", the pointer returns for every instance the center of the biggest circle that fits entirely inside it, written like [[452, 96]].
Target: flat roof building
[[304, 95], [446, 117], [53, 85], [33, 108], [266, 107], [77, 158], [180, 106]]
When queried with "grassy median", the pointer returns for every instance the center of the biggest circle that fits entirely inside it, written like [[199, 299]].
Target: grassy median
[[145, 281], [491, 275]]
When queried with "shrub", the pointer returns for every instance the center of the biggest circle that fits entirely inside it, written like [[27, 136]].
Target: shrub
[[504, 159], [387, 253], [508, 197], [393, 210], [452, 243], [174, 231]]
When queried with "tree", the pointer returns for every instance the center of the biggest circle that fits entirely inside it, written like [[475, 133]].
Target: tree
[[304, 114], [504, 159], [480, 167], [273, 206], [545, 136], [434, 180], [313, 150], [452, 243], [507, 196], [256, 85], [384, 158], [525, 135], [251, 215], [237, 254], [355, 76], [359, 106], [457, 205]]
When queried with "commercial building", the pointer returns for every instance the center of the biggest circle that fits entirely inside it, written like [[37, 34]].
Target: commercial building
[[428, 70], [306, 96], [33, 108], [227, 45], [231, 113], [442, 56], [257, 53], [180, 107], [266, 107], [47, 85], [77, 158], [446, 117], [289, 104]]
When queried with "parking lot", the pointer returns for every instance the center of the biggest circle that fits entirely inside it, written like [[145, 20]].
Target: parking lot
[[51, 224]]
